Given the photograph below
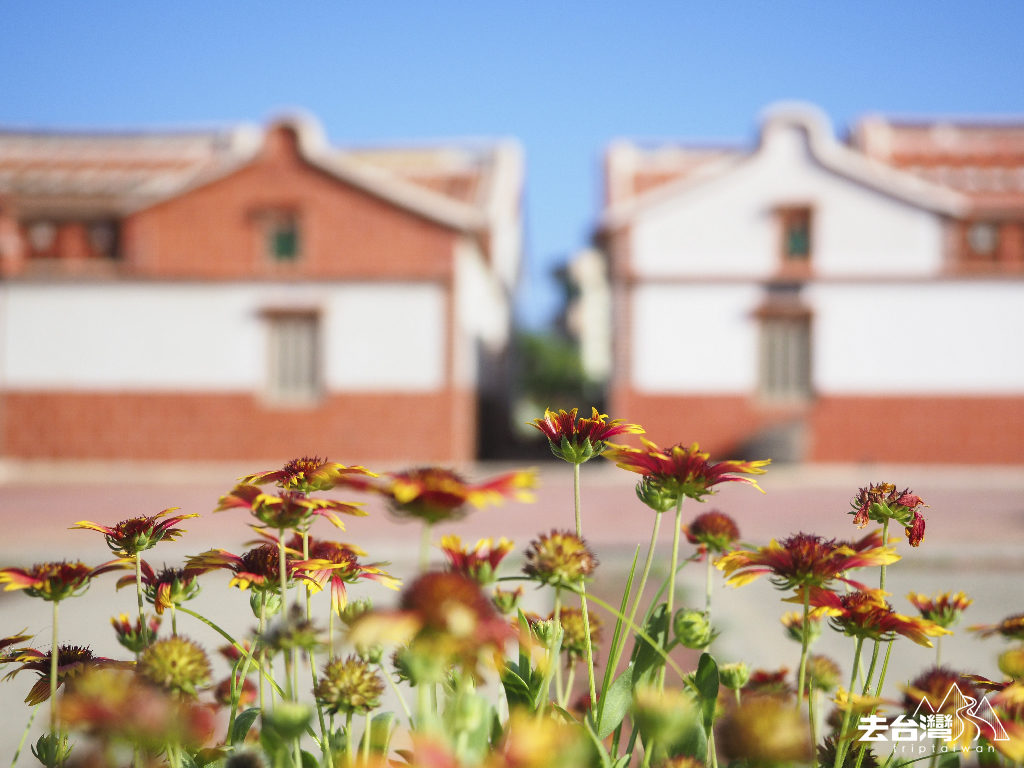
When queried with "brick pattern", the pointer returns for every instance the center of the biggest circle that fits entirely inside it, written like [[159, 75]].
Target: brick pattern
[[349, 428], [919, 430]]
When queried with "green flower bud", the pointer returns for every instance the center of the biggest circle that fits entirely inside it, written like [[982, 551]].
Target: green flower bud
[[692, 628], [288, 719], [734, 676], [51, 750], [655, 495]]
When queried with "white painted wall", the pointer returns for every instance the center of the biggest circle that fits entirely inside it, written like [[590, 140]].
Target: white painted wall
[[943, 337], [191, 337], [727, 225], [694, 338], [481, 309]]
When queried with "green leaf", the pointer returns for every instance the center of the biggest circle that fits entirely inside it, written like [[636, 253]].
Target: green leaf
[[309, 760], [949, 759], [517, 691], [380, 732], [187, 761], [243, 722], [622, 762], [616, 703], [645, 658], [706, 681]]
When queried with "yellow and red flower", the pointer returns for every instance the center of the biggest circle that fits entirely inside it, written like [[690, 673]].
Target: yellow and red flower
[[137, 534], [881, 502], [1011, 627], [575, 439], [72, 660], [165, 588], [481, 563], [943, 691], [135, 636], [433, 494], [338, 564], [53, 581], [804, 560], [944, 609], [712, 531], [866, 614], [291, 510], [258, 568], [311, 473], [671, 474]]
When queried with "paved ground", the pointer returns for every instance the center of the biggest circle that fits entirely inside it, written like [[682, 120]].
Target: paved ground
[[974, 542]]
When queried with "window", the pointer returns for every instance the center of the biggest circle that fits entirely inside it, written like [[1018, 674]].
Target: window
[[983, 240], [294, 368], [785, 369], [281, 235], [795, 236]]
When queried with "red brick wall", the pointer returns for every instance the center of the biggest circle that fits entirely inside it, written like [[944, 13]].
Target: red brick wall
[[214, 230], [951, 430], [350, 428]]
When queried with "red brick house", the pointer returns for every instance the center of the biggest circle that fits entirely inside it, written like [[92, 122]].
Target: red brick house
[[252, 294]]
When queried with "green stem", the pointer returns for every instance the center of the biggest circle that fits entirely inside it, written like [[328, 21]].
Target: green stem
[[577, 508], [138, 594], [263, 653], [841, 742], [350, 742], [805, 632], [398, 695], [708, 585], [24, 735], [425, 537], [672, 577], [174, 621], [312, 658], [366, 739], [54, 656], [557, 614], [878, 692]]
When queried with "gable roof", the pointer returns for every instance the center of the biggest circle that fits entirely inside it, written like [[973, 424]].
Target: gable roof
[[459, 185], [640, 178]]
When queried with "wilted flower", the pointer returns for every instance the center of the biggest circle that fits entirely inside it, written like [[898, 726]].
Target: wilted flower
[[802, 560], [577, 440], [135, 636], [712, 531], [881, 502], [350, 686], [944, 609], [433, 494], [337, 564], [764, 730], [680, 471], [481, 563], [52, 581], [1011, 627], [866, 614], [165, 588], [137, 534], [72, 660], [559, 558], [793, 621], [311, 473], [175, 664], [291, 510]]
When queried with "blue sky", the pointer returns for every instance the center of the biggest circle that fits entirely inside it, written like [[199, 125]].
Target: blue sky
[[564, 78]]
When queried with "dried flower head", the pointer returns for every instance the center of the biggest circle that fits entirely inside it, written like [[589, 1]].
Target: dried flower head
[[823, 673], [311, 473], [802, 560], [480, 563], [559, 558], [680, 471], [433, 494], [137, 534], [575, 439], [944, 609], [881, 502], [350, 686], [53, 581], [1011, 627], [712, 531], [574, 642], [175, 664]]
